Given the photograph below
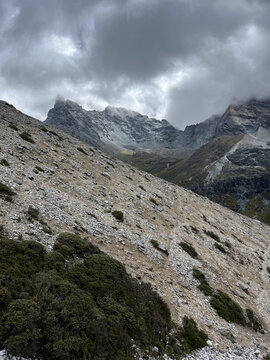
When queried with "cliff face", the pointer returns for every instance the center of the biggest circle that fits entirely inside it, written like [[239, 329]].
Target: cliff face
[[77, 188]]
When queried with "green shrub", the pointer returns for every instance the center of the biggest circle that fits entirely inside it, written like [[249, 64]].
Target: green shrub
[[76, 302], [268, 269], [118, 215], [4, 162], [194, 229], [72, 245], [27, 137], [192, 336], [154, 201], [212, 235], [82, 151], [38, 168], [5, 190], [44, 129], [55, 134], [198, 275], [205, 288], [266, 357], [189, 249], [47, 230], [14, 127], [227, 308], [33, 213], [220, 248], [254, 322], [154, 243], [21, 326], [142, 188]]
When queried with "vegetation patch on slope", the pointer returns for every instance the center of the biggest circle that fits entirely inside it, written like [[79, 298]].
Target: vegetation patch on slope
[[76, 302]]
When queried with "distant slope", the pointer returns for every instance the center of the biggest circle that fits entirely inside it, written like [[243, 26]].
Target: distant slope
[[233, 171]]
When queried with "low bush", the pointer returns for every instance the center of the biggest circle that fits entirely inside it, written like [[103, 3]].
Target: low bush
[[82, 151], [212, 235], [27, 137], [194, 229], [33, 213], [5, 190], [38, 168], [193, 337], [154, 243], [220, 248], [254, 322], [4, 162], [198, 275], [228, 244], [13, 127], [142, 188], [118, 215], [189, 249], [154, 201], [47, 230], [205, 288], [72, 245], [227, 308], [76, 302], [55, 134], [268, 269]]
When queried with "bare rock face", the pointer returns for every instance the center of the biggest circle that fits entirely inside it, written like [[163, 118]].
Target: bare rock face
[[64, 180], [245, 118], [115, 129]]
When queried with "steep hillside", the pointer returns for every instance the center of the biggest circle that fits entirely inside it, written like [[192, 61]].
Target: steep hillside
[[187, 247]]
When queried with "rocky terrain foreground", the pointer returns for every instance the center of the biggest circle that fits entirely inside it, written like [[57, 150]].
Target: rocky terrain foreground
[[75, 187]]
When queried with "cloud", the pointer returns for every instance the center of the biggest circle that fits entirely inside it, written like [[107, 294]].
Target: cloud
[[179, 59]]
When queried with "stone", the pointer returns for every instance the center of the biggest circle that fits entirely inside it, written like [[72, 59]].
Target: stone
[[107, 175], [243, 286]]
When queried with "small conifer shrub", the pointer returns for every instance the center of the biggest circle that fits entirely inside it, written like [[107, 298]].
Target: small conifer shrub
[[118, 215], [4, 162], [220, 248], [27, 137], [227, 308], [5, 190], [82, 151], [33, 213], [212, 235], [189, 249]]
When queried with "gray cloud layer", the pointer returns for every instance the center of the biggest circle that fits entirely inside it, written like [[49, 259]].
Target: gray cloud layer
[[179, 59]]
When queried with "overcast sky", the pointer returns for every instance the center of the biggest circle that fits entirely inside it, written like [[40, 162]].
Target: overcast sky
[[182, 60]]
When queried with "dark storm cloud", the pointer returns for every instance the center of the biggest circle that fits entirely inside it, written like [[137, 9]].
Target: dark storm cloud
[[180, 59]]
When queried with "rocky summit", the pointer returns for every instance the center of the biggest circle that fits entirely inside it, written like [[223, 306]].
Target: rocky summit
[[123, 131], [205, 261]]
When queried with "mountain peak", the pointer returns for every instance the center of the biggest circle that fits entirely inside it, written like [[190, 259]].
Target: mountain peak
[[120, 112]]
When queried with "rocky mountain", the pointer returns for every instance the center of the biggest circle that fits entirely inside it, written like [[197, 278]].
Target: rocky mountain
[[234, 168], [205, 261], [123, 131]]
